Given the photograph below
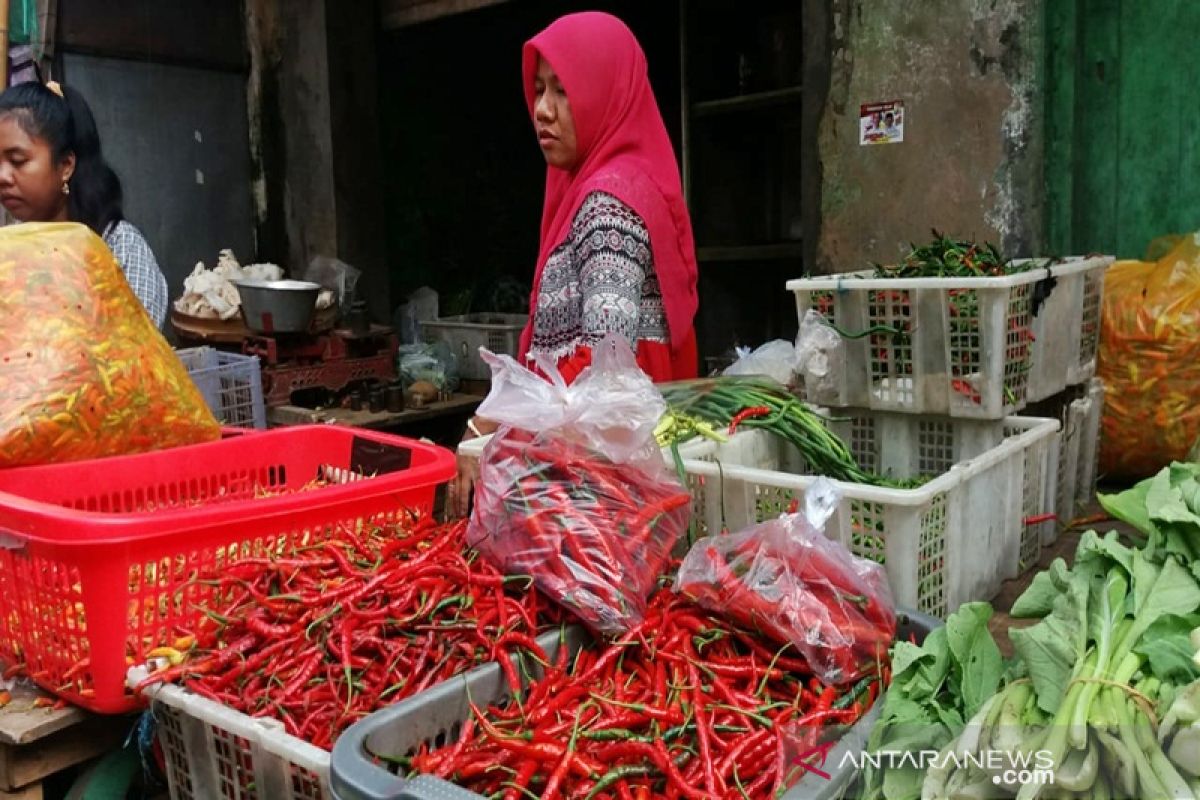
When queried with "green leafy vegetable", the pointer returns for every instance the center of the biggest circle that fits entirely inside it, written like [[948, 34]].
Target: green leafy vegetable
[[958, 666], [1168, 650]]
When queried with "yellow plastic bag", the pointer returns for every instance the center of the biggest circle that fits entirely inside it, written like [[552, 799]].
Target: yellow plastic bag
[[1150, 361], [84, 373]]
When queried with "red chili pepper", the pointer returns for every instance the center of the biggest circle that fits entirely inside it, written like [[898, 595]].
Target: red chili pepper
[[711, 783], [524, 775], [745, 414]]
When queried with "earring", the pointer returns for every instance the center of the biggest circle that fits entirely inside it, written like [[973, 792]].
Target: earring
[[66, 188]]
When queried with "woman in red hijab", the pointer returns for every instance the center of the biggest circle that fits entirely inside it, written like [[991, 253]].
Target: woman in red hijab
[[616, 252]]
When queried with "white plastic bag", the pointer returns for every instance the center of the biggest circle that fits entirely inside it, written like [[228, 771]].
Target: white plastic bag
[[820, 354], [612, 407], [775, 359], [421, 306]]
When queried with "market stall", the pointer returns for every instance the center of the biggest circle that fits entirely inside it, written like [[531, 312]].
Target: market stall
[[693, 588], [720, 588]]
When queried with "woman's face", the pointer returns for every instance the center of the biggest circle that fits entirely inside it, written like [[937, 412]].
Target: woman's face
[[31, 180], [552, 119]]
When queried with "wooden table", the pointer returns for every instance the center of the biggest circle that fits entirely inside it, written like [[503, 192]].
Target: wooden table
[[459, 404], [36, 743]]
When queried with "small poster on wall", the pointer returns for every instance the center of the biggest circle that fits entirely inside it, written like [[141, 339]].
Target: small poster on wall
[[881, 123]]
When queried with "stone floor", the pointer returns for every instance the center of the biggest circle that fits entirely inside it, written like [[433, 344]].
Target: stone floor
[[1065, 547]]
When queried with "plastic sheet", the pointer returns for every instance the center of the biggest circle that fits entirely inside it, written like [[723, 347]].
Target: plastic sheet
[[775, 359]]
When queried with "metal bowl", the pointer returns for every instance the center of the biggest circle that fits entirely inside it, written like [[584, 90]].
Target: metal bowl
[[278, 306]]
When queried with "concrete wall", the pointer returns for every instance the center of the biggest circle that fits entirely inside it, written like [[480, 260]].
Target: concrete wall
[[971, 161]]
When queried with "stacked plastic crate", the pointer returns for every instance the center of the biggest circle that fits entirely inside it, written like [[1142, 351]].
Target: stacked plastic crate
[[933, 372]]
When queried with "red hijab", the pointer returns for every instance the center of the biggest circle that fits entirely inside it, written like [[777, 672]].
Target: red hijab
[[624, 150]]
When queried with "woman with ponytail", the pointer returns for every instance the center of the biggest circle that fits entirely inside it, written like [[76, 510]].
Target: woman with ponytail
[[52, 170]]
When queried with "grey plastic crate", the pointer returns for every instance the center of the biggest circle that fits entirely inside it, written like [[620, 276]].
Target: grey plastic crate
[[436, 717], [231, 384], [500, 333]]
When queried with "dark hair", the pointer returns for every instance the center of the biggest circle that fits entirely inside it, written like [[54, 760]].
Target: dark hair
[[67, 124]]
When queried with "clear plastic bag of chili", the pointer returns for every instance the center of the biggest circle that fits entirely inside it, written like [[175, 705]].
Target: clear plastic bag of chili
[[573, 490], [787, 580], [85, 372]]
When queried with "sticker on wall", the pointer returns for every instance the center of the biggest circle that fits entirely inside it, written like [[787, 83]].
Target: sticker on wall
[[881, 123]]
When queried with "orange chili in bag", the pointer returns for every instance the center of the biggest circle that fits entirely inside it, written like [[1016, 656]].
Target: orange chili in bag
[[84, 372], [1150, 361]]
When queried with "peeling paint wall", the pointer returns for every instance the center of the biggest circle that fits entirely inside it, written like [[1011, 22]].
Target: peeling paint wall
[[971, 160]]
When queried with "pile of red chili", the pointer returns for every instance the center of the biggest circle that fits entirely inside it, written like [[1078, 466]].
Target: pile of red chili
[[684, 705], [327, 632]]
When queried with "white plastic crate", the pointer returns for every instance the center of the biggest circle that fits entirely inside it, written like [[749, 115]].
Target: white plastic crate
[[1079, 450], [1067, 328], [1087, 473], [500, 333], [214, 752], [977, 348], [954, 539], [231, 384]]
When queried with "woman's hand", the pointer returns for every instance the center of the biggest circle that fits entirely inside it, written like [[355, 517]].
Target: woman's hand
[[458, 496]]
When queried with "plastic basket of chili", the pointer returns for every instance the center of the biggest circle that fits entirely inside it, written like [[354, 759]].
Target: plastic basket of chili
[[231, 384], [965, 347], [358, 770], [213, 752], [985, 498], [98, 557]]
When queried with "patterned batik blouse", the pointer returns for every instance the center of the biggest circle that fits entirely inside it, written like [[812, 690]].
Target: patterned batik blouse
[[600, 279]]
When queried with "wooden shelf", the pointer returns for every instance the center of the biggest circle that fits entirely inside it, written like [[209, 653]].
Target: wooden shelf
[[751, 252], [296, 415], [748, 102]]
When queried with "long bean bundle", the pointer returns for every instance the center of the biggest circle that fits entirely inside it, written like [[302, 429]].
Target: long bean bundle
[[758, 403]]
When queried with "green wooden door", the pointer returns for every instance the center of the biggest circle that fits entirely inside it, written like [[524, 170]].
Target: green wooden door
[[1122, 97]]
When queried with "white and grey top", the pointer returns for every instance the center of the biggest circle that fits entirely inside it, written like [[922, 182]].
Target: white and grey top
[[141, 270], [601, 279]]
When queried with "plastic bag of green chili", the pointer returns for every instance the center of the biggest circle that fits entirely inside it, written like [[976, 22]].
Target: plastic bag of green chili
[[85, 373], [1149, 361]]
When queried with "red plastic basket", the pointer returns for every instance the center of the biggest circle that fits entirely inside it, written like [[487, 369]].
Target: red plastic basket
[[97, 558]]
